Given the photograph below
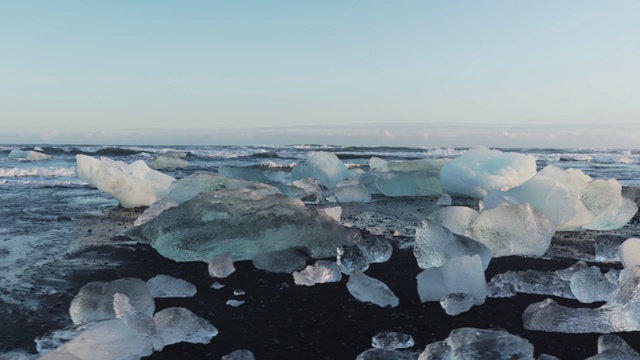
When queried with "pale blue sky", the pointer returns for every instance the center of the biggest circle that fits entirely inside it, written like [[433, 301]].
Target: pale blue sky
[[419, 73]]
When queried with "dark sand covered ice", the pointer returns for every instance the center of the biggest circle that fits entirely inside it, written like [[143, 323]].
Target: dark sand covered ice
[[280, 320]]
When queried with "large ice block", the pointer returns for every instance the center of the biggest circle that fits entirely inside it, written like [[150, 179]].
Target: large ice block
[[322, 271], [513, 230], [472, 343], [480, 170], [351, 190], [282, 261], [324, 166], [435, 245], [604, 199], [28, 155], [94, 301], [132, 185], [188, 187], [392, 340], [590, 285], [242, 224], [460, 274], [629, 253], [612, 347], [408, 183], [455, 218]]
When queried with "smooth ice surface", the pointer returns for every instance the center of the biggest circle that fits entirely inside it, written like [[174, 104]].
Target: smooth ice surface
[[368, 289], [629, 253], [242, 224], [472, 343], [457, 303], [221, 266], [165, 286], [242, 354], [622, 313], [322, 271], [28, 154], [106, 340], [607, 247], [375, 249], [461, 274], [480, 170], [142, 323], [324, 166], [604, 199], [435, 245], [392, 340], [513, 230], [188, 187], [408, 183], [94, 301], [427, 165], [178, 324], [455, 218], [282, 261], [351, 258], [351, 190], [171, 160], [612, 347], [153, 211], [132, 185], [557, 283], [590, 285], [387, 354]]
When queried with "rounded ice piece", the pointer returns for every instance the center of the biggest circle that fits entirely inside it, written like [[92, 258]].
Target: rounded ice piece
[[323, 271], [368, 289], [178, 324], [461, 274], [456, 303], [243, 354], [351, 190], [165, 286], [455, 218], [392, 340], [629, 253], [324, 166]]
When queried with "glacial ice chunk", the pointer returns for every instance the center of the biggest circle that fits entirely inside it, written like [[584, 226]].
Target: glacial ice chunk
[[387, 354], [140, 322], [612, 347], [368, 289], [170, 160], [153, 211], [106, 340], [461, 274], [375, 249], [619, 314], [132, 185], [513, 230], [604, 199], [392, 340], [178, 324], [322, 271], [412, 183], [445, 200], [165, 286], [457, 303], [188, 187], [426, 165], [480, 170], [221, 266], [629, 253], [324, 166], [435, 245], [472, 343], [94, 301], [242, 354], [455, 218], [28, 155], [282, 261], [350, 258], [243, 225], [590, 285], [350, 190]]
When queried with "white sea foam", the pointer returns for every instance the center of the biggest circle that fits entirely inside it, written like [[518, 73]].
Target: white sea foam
[[37, 171]]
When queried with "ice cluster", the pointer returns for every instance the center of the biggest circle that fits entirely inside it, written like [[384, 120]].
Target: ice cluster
[[132, 185]]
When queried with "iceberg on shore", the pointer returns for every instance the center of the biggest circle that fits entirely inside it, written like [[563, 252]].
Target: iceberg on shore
[[244, 224], [481, 170], [28, 155], [170, 160], [132, 185], [188, 187], [408, 178], [324, 166]]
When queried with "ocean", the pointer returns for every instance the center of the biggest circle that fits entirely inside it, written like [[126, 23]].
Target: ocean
[[49, 215]]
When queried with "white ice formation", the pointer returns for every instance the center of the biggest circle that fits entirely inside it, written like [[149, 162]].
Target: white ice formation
[[221, 265], [170, 160], [457, 303], [460, 274], [481, 170], [132, 185], [165, 286], [350, 190], [322, 271], [324, 166], [455, 218], [629, 253], [392, 340], [28, 155], [188, 187], [409, 177], [370, 290]]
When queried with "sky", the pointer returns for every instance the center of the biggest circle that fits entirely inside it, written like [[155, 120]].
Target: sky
[[396, 73]]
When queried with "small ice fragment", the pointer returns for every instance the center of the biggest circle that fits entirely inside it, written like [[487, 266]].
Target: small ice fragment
[[216, 285], [238, 292], [178, 324], [142, 323], [323, 271], [629, 253], [154, 210], [221, 266], [445, 200], [387, 354], [457, 303], [324, 166], [375, 249], [350, 258], [350, 190], [392, 340], [368, 289], [612, 347], [165, 286], [243, 354], [607, 247], [590, 285], [234, 303], [461, 274]]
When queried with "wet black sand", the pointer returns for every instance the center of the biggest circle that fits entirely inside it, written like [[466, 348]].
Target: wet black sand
[[280, 320]]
